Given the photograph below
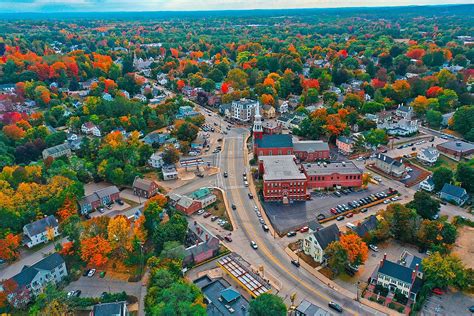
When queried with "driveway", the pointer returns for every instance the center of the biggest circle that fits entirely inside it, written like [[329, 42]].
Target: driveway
[[94, 286]]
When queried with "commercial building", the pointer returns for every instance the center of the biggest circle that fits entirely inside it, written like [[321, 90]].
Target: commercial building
[[37, 232], [282, 179], [456, 149], [243, 109], [311, 150], [329, 175], [306, 308], [169, 172]]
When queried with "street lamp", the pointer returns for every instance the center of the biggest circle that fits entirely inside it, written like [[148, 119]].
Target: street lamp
[[357, 291]]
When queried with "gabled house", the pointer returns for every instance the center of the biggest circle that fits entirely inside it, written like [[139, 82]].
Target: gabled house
[[389, 165], [37, 232], [90, 128], [206, 245], [315, 243], [428, 155], [399, 277], [453, 193], [345, 144], [405, 112], [110, 309], [156, 160], [203, 195], [33, 279], [144, 187], [101, 197], [169, 172], [427, 184], [366, 226]]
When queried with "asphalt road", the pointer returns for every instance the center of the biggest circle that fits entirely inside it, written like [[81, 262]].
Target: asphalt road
[[270, 253]]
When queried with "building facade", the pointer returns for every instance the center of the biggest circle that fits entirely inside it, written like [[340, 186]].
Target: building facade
[[456, 149], [453, 193], [428, 156], [316, 242], [332, 175], [243, 109], [390, 166], [37, 232], [345, 145]]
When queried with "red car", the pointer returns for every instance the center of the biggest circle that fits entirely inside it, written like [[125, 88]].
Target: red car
[[304, 229], [437, 291], [206, 215], [333, 210], [349, 215]]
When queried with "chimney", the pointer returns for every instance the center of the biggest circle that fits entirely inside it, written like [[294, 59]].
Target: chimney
[[197, 242], [207, 237], [416, 268], [381, 263], [195, 223], [413, 275]]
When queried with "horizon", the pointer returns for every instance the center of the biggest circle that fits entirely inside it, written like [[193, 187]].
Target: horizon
[[45, 7]]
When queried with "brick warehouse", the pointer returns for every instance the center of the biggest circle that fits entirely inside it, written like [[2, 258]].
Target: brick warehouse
[[322, 175]]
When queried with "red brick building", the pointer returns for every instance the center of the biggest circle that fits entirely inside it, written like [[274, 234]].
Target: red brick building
[[322, 175], [145, 188], [456, 149], [282, 179], [311, 150]]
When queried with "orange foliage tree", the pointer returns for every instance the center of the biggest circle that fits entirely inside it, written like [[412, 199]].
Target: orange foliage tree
[[94, 250], [180, 84], [9, 247], [119, 233], [434, 91], [357, 250], [69, 208], [159, 199], [268, 99], [13, 132], [174, 52]]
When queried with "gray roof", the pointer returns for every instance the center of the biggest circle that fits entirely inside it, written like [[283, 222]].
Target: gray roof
[[457, 145], [347, 167], [430, 152], [310, 145], [345, 139], [309, 309], [97, 195], [366, 226], [327, 235], [404, 108], [389, 160], [453, 190], [41, 225], [110, 309], [185, 201], [28, 273], [142, 184], [281, 168], [56, 149]]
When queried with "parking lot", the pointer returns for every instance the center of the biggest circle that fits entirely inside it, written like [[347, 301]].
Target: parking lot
[[297, 214], [95, 286], [448, 304]]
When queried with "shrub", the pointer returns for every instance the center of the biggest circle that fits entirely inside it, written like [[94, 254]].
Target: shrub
[[381, 300], [401, 309], [372, 299], [391, 305]]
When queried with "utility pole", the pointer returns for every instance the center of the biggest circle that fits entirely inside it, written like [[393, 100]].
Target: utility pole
[[357, 291]]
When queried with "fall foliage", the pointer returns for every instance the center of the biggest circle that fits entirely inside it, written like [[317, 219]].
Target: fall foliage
[[94, 250]]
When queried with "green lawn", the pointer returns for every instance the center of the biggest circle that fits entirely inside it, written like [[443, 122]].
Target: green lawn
[[444, 161]]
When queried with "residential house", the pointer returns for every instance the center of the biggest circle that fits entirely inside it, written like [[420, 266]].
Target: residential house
[[283, 108], [398, 277], [203, 195], [226, 109], [306, 308], [156, 160], [169, 172], [221, 298], [345, 144], [453, 193], [243, 109], [446, 118], [90, 128], [110, 309], [186, 111], [315, 243], [456, 149], [57, 151], [428, 156], [155, 138], [402, 127], [405, 112], [206, 245], [145, 188], [389, 165], [427, 184], [33, 279], [38, 232], [366, 226], [268, 111], [100, 197]]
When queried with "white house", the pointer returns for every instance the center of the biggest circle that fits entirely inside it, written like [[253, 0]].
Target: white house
[[156, 161], [37, 232], [316, 242], [427, 184], [428, 155], [404, 111], [91, 128], [169, 172], [33, 279]]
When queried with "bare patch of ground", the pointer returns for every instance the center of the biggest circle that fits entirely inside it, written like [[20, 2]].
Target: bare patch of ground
[[464, 247]]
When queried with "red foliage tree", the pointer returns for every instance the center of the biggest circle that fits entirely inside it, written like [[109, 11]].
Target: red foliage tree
[[9, 247], [225, 87], [180, 84], [434, 91]]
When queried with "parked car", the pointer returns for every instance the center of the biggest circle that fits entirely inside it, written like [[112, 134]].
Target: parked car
[[226, 174], [101, 209], [340, 218], [374, 247], [87, 216], [206, 214], [234, 207], [304, 229], [214, 218], [364, 210], [296, 263], [200, 212], [265, 228], [91, 273], [335, 306], [250, 195], [334, 211], [86, 272], [291, 234], [253, 244], [246, 183], [437, 291], [228, 238], [119, 202], [348, 215]]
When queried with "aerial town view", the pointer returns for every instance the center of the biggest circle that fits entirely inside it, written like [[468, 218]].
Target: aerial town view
[[253, 158]]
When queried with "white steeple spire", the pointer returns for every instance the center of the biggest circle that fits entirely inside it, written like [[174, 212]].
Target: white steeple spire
[[257, 122]]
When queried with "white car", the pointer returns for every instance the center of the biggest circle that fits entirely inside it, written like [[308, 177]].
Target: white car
[[253, 244], [408, 169], [91, 273], [374, 247], [387, 201], [255, 208], [200, 212]]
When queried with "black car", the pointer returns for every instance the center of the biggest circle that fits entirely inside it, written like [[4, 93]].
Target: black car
[[225, 174], [86, 272], [77, 293], [364, 210], [291, 234], [119, 202], [265, 228], [335, 306], [87, 216], [340, 218], [233, 206], [296, 263], [250, 195]]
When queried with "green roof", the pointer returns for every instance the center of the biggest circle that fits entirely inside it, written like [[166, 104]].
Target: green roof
[[230, 295], [200, 194], [275, 141]]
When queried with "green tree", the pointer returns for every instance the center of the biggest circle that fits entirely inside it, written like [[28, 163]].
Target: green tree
[[446, 270], [463, 121], [187, 132], [434, 118], [376, 137], [337, 257], [403, 222], [441, 176], [267, 304], [424, 204], [372, 107], [170, 155], [238, 78], [465, 175], [173, 230]]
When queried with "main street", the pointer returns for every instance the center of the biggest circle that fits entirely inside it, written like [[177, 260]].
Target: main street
[[270, 253]]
